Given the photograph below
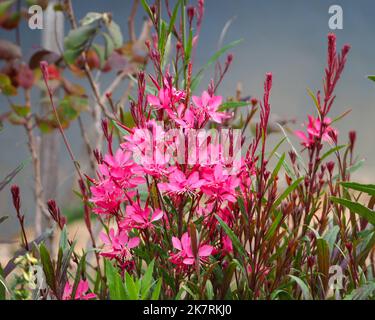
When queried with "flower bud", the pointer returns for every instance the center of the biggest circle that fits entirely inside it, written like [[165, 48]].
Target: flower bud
[[15, 190]]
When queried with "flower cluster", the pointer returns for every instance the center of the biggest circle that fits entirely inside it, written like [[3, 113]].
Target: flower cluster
[[144, 160]]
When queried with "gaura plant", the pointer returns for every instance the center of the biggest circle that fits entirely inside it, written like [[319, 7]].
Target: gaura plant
[[194, 207]]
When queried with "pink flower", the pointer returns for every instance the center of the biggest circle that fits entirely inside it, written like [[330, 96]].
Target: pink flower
[[167, 98], [139, 218], [107, 197], [118, 245], [81, 292], [185, 253], [314, 127], [218, 185], [207, 105], [179, 183], [121, 168]]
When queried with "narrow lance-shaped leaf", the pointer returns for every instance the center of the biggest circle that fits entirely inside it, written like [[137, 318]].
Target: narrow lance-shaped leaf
[[367, 188], [357, 208], [236, 242]]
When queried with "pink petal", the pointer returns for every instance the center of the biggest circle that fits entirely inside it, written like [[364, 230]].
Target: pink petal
[[104, 238], [176, 243], [133, 242], [197, 101], [215, 102], [205, 250], [152, 100], [186, 242], [188, 261], [158, 214]]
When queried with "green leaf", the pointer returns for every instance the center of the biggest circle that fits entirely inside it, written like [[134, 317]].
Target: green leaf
[[91, 17], [147, 280], [115, 33], [369, 245], [331, 237], [236, 242], [131, 288], [173, 17], [100, 51], [274, 225], [303, 286], [71, 55], [78, 38], [209, 290], [216, 56], [275, 172], [316, 103], [286, 193], [47, 267], [357, 208], [147, 9], [80, 270], [5, 6], [371, 78], [156, 293], [367, 188], [21, 111], [3, 286], [323, 258], [365, 292], [233, 104], [3, 218], [114, 282], [329, 152], [109, 45]]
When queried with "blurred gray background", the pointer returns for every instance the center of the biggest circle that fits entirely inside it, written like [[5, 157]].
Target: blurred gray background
[[287, 37]]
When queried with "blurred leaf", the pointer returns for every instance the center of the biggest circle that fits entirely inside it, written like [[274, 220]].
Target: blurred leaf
[[131, 289], [197, 78], [287, 191], [233, 104], [115, 33], [367, 188], [156, 293], [109, 45], [80, 270], [366, 249], [114, 282], [209, 290], [101, 52], [5, 6], [76, 41], [147, 280], [323, 259], [371, 78], [316, 103], [329, 152], [274, 225], [147, 9], [303, 286], [365, 292], [6, 86], [91, 17], [10, 177], [47, 267], [357, 208], [228, 276], [236, 242], [21, 111], [78, 38], [11, 265], [331, 236], [3, 218]]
